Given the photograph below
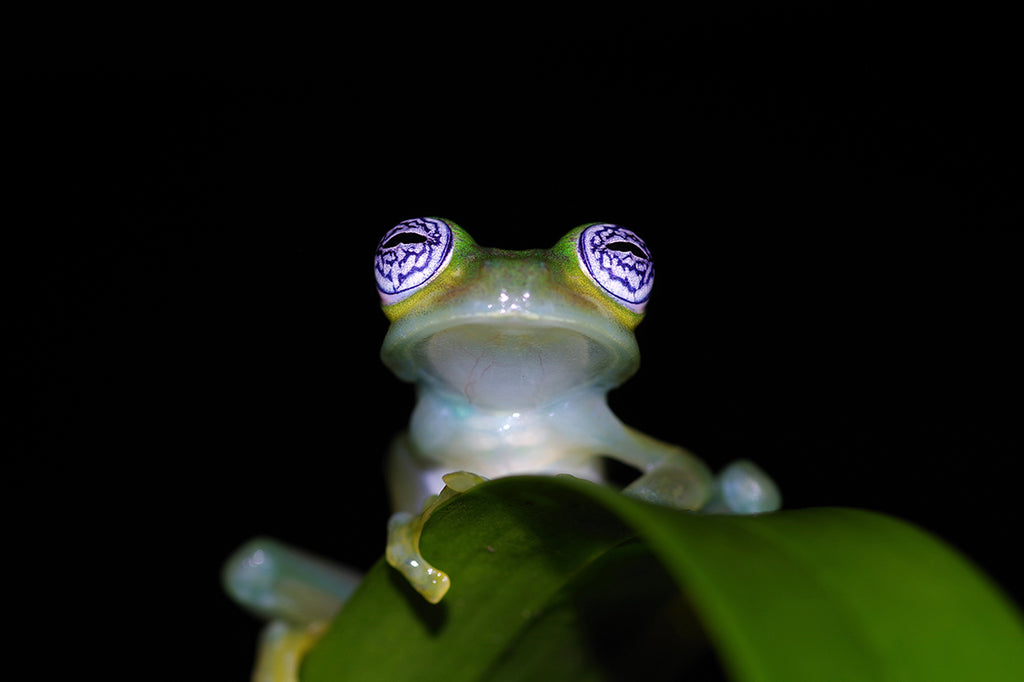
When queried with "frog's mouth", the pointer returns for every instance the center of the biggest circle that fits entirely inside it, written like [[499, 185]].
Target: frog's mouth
[[517, 362]]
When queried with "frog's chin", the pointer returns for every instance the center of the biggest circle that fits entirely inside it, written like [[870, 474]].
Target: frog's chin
[[513, 362]]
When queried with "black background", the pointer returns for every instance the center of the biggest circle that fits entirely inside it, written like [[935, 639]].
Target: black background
[[832, 198]]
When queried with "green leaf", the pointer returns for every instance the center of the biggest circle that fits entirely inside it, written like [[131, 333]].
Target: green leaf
[[556, 578]]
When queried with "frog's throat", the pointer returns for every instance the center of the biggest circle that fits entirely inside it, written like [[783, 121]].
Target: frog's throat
[[511, 362]]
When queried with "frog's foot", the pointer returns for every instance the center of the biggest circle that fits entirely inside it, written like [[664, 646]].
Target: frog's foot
[[404, 530], [297, 592], [282, 648], [743, 488]]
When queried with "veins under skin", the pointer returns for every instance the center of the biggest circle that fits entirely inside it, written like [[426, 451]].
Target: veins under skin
[[477, 375]]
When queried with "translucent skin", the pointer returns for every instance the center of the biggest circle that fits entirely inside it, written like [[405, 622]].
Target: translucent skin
[[512, 353]]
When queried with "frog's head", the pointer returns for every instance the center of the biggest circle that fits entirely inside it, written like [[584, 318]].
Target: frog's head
[[511, 329]]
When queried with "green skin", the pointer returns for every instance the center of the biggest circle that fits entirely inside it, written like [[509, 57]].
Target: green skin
[[513, 353]]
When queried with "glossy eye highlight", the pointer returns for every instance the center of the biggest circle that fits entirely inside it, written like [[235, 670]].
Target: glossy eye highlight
[[409, 255], [619, 262]]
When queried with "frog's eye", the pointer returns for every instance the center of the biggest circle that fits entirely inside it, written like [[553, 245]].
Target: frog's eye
[[411, 254], [619, 262]]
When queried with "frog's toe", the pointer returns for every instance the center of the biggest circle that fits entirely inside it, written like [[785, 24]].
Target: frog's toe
[[744, 488]]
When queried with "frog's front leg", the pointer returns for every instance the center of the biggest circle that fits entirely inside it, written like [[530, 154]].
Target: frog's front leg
[[296, 592], [404, 530], [673, 477]]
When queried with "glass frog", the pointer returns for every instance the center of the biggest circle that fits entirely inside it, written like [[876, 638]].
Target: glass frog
[[512, 353]]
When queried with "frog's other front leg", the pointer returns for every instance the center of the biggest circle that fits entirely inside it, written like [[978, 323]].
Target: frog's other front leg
[[670, 475], [673, 477], [296, 592]]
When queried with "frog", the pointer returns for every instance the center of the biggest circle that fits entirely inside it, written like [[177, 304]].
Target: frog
[[513, 354]]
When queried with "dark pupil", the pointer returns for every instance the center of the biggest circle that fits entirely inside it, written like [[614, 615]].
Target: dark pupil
[[405, 238], [626, 246]]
